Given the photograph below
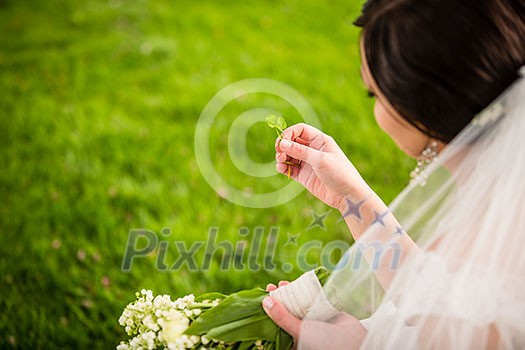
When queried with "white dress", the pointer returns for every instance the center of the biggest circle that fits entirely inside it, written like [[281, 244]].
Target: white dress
[[455, 303]]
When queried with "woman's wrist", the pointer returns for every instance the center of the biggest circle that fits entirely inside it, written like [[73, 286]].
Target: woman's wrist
[[355, 194]]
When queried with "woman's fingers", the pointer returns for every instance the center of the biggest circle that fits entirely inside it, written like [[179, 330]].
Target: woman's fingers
[[292, 170], [297, 142], [280, 157], [281, 316], [270, 287], [303, 131], [301, 152], [297, 139], [301, 141]]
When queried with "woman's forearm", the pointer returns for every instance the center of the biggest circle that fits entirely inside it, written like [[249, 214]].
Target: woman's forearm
[[386, 244]]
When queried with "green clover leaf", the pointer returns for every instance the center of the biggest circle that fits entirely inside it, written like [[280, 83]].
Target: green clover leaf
[[280, 124], [271, 120], [276, 122]]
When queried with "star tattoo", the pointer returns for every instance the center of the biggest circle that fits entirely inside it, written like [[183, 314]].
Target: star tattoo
[[399, 231], [354, 209], [379, 218], [318, 220], [292, 239]]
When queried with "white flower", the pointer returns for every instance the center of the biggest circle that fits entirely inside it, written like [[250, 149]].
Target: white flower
[[149, 339], [190, 298], [123, 346], [173, 328], [136, 342], [150, 323], [159, 322], [161, 301]]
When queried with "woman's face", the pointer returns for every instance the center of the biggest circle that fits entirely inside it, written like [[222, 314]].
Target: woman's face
[[408, 138]]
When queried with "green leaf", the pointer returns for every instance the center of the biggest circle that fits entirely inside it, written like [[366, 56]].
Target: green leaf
[[283, 341], [245, 345], [276, 122], [322, 274], [250, 328], [234, 307], [240, 318], [280, 123], [209, 296], [271, 120]]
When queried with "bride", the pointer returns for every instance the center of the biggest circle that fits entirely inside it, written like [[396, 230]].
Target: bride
[[445, 267]]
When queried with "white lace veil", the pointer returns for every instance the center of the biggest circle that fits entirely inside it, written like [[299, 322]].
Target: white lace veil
[[464, 288]]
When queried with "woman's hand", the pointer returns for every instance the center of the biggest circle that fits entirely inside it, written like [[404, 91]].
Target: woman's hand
[[279, 314], [344, 330], [321, 165], [271, 287]]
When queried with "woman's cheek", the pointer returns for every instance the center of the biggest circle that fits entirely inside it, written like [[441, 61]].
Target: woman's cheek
[[407, 138], [381, 118]]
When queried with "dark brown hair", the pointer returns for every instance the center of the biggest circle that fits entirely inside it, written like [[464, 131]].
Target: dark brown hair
[[440, 62]]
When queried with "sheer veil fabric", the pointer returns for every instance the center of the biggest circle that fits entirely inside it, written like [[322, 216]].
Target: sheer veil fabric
[[464, 286]]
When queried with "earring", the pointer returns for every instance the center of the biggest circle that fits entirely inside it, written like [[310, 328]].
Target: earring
[[427, 157]]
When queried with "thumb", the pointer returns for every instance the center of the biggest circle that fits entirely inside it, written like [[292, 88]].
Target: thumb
[[301, 152], [281, 316]]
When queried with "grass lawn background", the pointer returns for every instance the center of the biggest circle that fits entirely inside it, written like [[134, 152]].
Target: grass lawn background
[[98, 106]]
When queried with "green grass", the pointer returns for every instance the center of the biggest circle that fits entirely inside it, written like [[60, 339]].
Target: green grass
[[98, 107]]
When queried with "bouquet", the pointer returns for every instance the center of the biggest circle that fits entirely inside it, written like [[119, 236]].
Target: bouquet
[[217, 321]]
